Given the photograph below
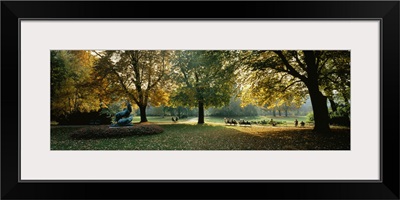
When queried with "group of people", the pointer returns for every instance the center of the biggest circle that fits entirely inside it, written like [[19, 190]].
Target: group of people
[[296, 123], [175, 119], [272, 122], [230, 121]]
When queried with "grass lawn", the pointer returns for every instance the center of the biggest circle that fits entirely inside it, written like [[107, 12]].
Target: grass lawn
[[186, 135]]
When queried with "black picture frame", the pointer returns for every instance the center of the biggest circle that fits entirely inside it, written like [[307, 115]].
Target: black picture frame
[[386, 11]]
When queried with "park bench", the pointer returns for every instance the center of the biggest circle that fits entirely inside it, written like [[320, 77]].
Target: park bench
[[175, 119], [244, 123], [230, 121]]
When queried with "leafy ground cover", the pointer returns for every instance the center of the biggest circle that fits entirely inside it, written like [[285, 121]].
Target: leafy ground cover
[[211, 136], [98, 132]]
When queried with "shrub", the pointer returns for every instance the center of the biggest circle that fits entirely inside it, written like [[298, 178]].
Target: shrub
[[334, 119], [341, 117], [97, 132], [310, 117], [340, 121], [84, 118]]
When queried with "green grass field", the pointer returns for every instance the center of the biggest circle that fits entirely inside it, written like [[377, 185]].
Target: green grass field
[[214, 135]]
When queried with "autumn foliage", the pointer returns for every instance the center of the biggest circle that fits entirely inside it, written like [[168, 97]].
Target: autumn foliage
[[86, 81]]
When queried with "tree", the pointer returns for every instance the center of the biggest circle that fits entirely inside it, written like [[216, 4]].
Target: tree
[[335, 81], [234, 108], [204, 79], [71, 83], [140, 74], [302, 69], [272, 90]]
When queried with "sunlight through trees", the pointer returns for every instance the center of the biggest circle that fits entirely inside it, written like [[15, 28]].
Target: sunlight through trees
[[209, 81]]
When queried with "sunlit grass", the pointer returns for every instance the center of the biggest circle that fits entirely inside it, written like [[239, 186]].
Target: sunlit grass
[[213, 136], [288, 120], [220, 120]]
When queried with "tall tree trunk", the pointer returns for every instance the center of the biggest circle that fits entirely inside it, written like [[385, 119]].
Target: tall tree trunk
[[286, 112], [163, 111], [279, 111], [320, 109], [143, 117], [318, 101], [333, 105], [201, 113], [274, 113]]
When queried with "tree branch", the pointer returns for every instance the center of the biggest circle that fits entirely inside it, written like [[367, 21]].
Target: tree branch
[[121, 81], [291, 69], [101, 56], [321, 66], [186, 79], [290, 85], [298, 61], [161, 75], [329, 79]]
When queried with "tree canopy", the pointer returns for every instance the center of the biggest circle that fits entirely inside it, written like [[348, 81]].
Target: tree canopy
[[319, 74], [140, 74], [203, 79], [71, 83], [280, 80]]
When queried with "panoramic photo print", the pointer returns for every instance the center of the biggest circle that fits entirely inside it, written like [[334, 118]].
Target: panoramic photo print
[[200, 100]]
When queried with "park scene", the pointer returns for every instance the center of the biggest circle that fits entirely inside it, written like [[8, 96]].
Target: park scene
[[200, 100]]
